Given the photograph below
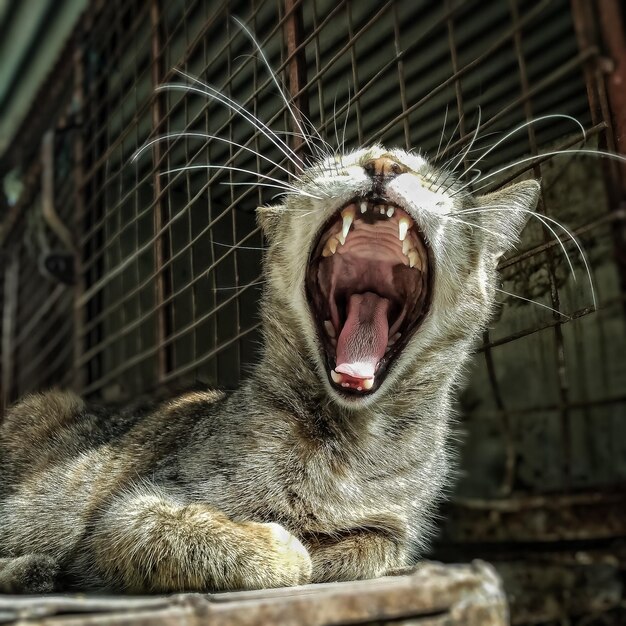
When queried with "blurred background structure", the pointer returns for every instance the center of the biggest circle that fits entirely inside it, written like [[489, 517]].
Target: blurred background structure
[[117, 279]]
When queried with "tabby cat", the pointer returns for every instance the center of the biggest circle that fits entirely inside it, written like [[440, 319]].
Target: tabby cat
[[328, 462]]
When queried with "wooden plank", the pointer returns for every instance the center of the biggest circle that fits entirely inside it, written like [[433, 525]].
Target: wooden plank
[[430, 595]]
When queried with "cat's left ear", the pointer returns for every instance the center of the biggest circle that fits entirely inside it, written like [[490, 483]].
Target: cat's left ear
[[267, 218], [506, 212]]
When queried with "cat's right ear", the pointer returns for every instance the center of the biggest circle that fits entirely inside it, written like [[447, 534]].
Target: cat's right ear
[[267, 218]]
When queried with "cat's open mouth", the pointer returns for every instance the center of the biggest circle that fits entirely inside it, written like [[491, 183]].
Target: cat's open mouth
[[368, 284]]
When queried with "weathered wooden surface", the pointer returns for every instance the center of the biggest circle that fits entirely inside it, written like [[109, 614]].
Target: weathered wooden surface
[[431, 595]]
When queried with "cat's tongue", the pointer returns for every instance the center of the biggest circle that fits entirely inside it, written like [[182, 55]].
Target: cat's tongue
[[363, 338]]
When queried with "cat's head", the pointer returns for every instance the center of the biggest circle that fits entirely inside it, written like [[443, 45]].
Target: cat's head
[[381, 268]]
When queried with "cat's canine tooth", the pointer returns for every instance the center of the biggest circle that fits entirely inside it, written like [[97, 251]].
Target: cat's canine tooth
[[348, 216], [368, 383], [330, 329], [390, 211], [393, 339], [403, 227], [363, 207], [336, 376], [331, 247], [414, 259], [407, 245]]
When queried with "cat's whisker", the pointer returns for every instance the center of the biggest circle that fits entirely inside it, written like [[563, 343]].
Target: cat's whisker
[[195, 135], [538, 216], [541, 304], [469, 147], [443, 130], [456, 127], [544, 219], [267, 64], [215, 93], [473, 225], [257, 184], [443, 171], [522, 127], [335, 123], [218, 95], [236, 247], [238, 288], [477, 175], [207, 166], [236, 108], [600, 153], [345, 125]]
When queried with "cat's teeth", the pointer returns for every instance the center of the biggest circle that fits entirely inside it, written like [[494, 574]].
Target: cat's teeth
[[330, 329], [363, 207], [382, 209], [394, 339], [403, 227], [406, 246], [414, 259], [368, 383], [330, 247], [336, 376], [390, 211], [348, 217]]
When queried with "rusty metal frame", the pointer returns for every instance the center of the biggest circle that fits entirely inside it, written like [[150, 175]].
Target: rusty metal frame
[[93, 152], [161, 212]]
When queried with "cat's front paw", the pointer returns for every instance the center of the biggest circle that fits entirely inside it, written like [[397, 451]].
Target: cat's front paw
[[286, 562]]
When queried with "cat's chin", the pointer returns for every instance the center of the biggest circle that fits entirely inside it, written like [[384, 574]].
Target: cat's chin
[[369, 285]]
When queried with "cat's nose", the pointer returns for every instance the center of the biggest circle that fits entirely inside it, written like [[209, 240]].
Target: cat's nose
[[383, 168]]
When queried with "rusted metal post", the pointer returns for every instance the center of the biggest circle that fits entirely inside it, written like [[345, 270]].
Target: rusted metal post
[[611, 13], [9, 314], [607, 99], [78, 376], [611, 17], [296, 65], [161, 217]]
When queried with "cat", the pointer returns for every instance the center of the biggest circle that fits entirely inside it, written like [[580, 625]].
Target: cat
[[329, 461]]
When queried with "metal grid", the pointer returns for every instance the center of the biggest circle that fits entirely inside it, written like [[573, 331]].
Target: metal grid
[[168, 272], [169, 262], [37, 343]]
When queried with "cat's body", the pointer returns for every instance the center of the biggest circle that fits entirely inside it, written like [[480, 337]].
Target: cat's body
[[349, 464]]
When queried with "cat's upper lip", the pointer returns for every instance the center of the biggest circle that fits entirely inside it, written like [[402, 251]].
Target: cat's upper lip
[[368, 287]]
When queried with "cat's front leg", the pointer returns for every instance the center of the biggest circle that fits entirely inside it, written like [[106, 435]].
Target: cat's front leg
[[147, 541], [357, 553]]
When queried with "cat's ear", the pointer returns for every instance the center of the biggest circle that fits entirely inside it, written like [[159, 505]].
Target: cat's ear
[[267, 218], [506, 212]]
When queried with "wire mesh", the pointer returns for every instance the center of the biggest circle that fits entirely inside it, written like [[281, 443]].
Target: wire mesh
[[169, 273]]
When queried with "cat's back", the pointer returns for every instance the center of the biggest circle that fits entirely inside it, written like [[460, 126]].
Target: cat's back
[[56, 427]]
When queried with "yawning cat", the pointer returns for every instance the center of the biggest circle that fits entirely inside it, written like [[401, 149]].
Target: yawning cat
[[328, 462]]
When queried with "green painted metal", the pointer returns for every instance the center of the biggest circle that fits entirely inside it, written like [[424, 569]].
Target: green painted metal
[[32, 36]]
